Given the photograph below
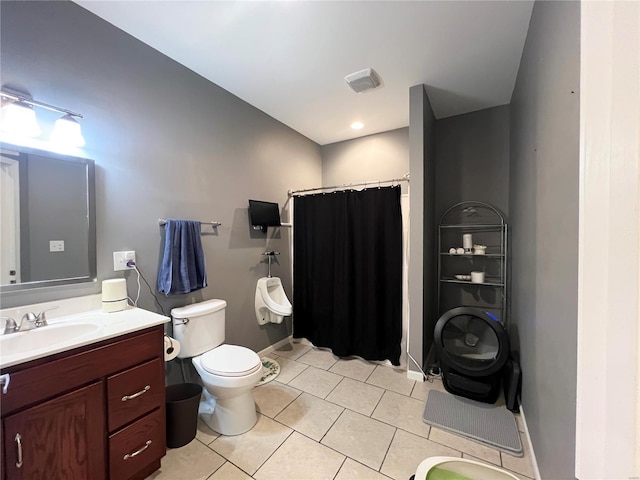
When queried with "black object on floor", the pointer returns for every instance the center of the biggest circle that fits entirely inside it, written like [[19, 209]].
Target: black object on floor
[[182, 403], [512, 382], [472, 347]]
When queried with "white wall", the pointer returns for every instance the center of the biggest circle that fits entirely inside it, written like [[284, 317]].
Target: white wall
[[608, 383]]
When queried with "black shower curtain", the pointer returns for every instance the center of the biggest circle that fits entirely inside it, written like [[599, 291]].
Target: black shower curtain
[[347, 268]]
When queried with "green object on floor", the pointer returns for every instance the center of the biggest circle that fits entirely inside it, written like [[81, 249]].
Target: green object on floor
[[438, 473], [270, 370]]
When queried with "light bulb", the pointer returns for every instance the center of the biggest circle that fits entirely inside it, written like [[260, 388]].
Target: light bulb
[[357, 125], [67, 132], [19, 118]]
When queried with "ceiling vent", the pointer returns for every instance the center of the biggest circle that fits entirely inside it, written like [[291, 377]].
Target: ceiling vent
[[363, 80]]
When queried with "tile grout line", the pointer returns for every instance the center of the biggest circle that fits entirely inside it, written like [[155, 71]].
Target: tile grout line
[[370, 416], [272, 453], [286, 406], [225, 460], [297, 374], [340, 468], [329, 429], [336, 386], [378, 403], [379, 400], [319, 442], [387, 452]]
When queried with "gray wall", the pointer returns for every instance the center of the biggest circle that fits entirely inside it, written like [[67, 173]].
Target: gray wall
[[471, 163], [422, 236], [543, 207], [167, 143], [374, 157], [472, 159]]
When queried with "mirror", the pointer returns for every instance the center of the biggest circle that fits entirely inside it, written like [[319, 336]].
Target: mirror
[[47, 203]]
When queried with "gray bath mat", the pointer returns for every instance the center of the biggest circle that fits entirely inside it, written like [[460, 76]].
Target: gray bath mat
[[494, 426]]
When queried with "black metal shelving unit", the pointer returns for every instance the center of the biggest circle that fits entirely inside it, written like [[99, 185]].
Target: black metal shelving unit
[[487, 227]]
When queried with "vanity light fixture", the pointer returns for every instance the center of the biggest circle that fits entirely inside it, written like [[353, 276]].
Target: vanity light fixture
[[19, 118], [67, 131]]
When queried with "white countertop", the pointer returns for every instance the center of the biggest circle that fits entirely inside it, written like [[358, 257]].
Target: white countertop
[[103, 327]]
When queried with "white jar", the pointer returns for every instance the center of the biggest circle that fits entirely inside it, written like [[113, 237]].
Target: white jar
[[477, 277]]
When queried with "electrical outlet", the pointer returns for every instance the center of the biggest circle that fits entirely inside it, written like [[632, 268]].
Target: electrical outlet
[[56, 245], [120, 260]]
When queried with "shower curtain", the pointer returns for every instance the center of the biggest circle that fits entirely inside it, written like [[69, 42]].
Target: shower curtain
[[347, 264]]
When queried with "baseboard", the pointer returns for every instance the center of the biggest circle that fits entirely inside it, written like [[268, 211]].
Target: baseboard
[[417, 376], [534, 462], [275, 346]]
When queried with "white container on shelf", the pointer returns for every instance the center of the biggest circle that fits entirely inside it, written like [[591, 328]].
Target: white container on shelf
[[467, 242], [477, 277], [479, 249]]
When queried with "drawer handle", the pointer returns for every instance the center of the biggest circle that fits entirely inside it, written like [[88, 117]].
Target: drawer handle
[[4, 381], [136, 395], [18, 440], [137, 452]]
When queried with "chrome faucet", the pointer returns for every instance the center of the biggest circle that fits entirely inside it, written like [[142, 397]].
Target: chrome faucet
[[10, 325], [29, 321]]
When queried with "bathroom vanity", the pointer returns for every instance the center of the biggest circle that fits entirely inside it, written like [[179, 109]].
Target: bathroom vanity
[[89, 411]]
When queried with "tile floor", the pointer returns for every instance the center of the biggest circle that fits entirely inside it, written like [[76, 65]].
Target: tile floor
[[333, 419]]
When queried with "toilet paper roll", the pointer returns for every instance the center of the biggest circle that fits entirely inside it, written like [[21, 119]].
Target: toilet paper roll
[[171, 348]]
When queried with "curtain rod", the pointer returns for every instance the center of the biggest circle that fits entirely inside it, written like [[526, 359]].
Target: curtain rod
[[348, 185]]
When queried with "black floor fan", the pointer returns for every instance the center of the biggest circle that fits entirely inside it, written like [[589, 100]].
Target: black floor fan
[[472, 347]]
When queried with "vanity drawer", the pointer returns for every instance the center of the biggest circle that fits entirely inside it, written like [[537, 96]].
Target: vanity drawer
[[41, 379], [134, 392], [135, 447]]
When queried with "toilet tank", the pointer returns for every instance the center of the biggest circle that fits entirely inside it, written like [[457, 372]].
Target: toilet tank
[[199, 327]]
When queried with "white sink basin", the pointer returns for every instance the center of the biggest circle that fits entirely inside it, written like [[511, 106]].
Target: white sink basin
[[70, 326], [44, 337]]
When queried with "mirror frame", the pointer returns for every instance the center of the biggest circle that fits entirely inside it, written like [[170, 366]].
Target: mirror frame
[[91, 210]]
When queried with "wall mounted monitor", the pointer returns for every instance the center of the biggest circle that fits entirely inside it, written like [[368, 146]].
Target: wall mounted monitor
[[264, 214]]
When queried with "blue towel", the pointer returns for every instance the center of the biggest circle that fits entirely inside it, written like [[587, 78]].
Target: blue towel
[[183, 267]]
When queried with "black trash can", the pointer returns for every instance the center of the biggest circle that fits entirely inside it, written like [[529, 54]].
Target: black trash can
[[182, 402]]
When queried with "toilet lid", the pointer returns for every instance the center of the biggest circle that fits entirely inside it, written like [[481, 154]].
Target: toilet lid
[[231, 361]]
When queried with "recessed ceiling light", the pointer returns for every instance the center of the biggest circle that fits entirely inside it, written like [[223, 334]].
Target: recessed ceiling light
[[357, 125]]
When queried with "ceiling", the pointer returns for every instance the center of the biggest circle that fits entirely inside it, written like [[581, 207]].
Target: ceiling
[[289, 58]]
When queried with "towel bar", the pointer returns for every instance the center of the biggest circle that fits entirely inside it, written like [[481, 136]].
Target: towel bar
[[163, 221]]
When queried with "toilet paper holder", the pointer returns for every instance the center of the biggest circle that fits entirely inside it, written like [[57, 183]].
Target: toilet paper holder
[[170, 349]]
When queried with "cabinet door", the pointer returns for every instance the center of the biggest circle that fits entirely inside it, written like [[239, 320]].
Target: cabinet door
[[61, 439]]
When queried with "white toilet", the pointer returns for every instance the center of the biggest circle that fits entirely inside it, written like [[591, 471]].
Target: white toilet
[[228, 372], [272, 304]]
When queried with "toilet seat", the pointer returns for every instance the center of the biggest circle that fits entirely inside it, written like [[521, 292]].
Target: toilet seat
[[231, 361]]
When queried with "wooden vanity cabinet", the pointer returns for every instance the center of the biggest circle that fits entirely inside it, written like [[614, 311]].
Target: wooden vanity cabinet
[[92, 413]]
